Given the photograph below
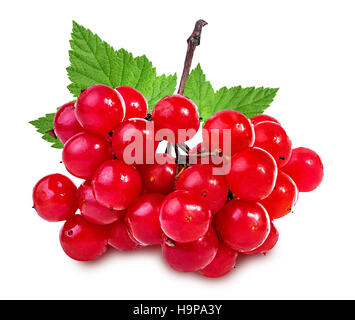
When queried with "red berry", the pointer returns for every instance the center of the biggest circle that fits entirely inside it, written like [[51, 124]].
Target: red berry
[[65, 123], [93, 211], [159, 177], [116, 185], [136, 103], [243, 225], [269, 243], [271, 137], [282, 198], [200, 179], [120, 237], [305, 167], [55, 198], [175, 113], [253, 174], [84, 152], [262, 117], [133, 141], [143, 219], [82, 240], [100, 109], [191, 256], [239, 126], [223, 262], [185, 216]]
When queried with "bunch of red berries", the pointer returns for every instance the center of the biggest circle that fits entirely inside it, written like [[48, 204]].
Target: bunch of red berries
[[220, 201]]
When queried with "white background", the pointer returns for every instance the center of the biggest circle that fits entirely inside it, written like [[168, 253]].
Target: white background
[[306, 48]]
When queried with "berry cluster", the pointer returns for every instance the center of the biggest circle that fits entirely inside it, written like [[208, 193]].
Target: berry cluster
[[136, 197]]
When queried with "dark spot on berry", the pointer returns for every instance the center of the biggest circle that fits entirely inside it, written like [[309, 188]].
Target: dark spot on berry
[[84, 201], [70, 232], [282, 158]]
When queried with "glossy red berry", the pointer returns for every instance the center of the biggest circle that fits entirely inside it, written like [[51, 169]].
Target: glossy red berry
[[93, 211], [120, 237], [200, 179], [143, 219], [261, 118], [136, 103], [116, 185], [191, 256], [82, 240], [175, 113], [282, 199], [243, 225], [185, 216], [99, 109], [159, 177], [271, 137], [133, 141], [269, 243], [65, 123], [84, 152], [223, 262], [305, 167], [253, 174], [55, 198], [239, 126]]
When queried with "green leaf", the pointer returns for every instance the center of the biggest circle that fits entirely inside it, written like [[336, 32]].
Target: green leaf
[[199, 90], [162, 86], [94, 61], [250, 101], [45, 124]]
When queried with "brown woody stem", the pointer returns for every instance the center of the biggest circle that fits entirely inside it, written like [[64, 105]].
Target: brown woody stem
[[206, 154], [192, 42], [52, 133], [168, 148], [184, 147]]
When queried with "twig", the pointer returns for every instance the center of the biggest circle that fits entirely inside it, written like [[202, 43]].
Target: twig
[[52, 133], [216, 153], [184, 147], [192, 42], [168, 148]]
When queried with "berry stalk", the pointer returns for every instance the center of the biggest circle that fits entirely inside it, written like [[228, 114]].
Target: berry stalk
[[192, 42]]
